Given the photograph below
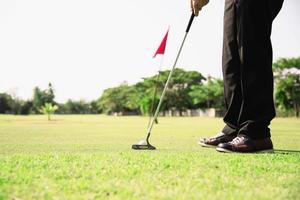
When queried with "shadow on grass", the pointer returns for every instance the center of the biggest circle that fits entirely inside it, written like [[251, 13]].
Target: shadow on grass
[[286, 151]]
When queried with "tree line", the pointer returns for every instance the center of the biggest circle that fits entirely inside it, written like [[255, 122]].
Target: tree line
[[187, 90], [40, 99]]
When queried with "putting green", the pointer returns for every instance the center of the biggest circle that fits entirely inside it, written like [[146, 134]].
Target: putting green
[[90, 157]]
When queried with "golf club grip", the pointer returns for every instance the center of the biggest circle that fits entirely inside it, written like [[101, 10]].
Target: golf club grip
[[190, 22]]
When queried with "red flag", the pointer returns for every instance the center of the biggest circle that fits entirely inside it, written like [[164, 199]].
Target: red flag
[[162, 46]]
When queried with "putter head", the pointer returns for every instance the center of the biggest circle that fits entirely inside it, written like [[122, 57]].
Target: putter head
[[143, 145]]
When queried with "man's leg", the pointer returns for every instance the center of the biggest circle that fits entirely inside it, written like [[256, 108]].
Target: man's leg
[[254, 24], [231, 73], [231, 69]]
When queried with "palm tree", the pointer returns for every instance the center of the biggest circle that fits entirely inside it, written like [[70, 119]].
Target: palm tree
[[48, 109]]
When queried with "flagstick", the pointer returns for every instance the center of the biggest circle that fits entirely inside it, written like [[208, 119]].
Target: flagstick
[[151, 113]]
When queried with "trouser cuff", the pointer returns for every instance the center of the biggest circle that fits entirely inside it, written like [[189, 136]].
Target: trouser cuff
[[228, 130]]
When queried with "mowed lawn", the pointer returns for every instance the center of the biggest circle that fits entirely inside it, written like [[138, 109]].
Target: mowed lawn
[[90, 157]]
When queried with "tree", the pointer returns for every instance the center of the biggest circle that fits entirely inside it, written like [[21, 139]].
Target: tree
[[287, 85], [40, 97], [6, 103], [21, 107], [48, 109], [78, 107], [10, 105], [208, 95], [94, 108], [25, 108], [119, 99], [177, 96], [145, 91]]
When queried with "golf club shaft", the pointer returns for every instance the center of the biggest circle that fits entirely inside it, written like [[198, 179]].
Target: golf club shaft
[[169, 78]]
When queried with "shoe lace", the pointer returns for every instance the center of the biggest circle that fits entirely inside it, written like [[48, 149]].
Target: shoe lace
[[237, 140]]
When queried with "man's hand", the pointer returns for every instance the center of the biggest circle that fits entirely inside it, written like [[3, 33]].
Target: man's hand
[[197, 5]]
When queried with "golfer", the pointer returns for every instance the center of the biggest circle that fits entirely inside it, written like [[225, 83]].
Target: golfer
[[247, 73]]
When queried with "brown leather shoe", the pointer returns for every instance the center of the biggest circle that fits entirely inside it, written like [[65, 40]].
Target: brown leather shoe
[[243, 144], [215, 140]]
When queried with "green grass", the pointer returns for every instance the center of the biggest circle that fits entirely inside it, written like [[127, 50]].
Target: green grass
[[89, 157]]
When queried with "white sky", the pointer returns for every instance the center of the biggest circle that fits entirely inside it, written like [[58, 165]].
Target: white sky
[[85, 46]]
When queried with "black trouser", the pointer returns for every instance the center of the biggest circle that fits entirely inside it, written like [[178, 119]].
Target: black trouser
[[247, 66]]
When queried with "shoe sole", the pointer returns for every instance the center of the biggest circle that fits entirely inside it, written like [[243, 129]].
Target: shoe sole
[[206, 145], [219, 149]]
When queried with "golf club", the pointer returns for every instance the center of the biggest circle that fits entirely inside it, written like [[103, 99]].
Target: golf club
[[145, 144]]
